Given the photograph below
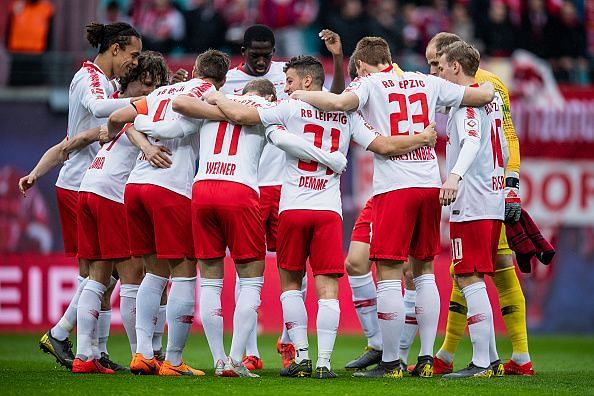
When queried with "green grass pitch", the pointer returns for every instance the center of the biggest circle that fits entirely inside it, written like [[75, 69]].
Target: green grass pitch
[[564, 365]]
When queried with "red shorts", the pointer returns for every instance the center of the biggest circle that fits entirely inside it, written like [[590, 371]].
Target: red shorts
[[313, 233], [474, 246], [226, 213], [68, 208], [102, 229], [159, 221], [269, 199], [362, 229], [406, 223]]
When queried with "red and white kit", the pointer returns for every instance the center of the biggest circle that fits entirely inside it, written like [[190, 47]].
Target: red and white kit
[[158, 200], [477, 213], [102, 229], [405, 187], [272, 160], [310, 205], [225, 202], [88, 102]]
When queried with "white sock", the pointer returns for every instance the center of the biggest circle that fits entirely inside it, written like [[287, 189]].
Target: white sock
[[520, 358], [365, 300], [147, 311], [160, 328], [410, 327], [327, 325], [295, 321], [212, 316], [480, 322], [427, 309], [62, 329], [89, 305], [246, 314], [493, 355], [390, 312], [445, 356], [128, 311], [284, 338], [180, 315], [103, 325], [251, 347]]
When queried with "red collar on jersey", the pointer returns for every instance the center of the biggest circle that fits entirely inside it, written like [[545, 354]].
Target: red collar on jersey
[[475, 85], [387, 69], [92, 65]]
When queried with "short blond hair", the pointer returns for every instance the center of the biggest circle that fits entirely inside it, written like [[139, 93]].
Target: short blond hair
[[373, 51]]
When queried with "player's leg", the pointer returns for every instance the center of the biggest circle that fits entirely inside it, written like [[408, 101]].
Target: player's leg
[[56, 341], [131, 272], [513, 309], [293, 242], [474, 246], [160, 328], [410, 328], [104, 325]]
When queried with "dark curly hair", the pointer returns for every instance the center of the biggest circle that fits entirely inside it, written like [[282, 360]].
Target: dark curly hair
[[151, 65]]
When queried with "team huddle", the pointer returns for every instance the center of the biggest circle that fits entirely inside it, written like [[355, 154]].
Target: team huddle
[[271, 144]]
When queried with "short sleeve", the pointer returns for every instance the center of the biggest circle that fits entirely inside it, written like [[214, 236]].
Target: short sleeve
[[468, 123], [448, 93], [360, 86], [276, 113], [362, 132]]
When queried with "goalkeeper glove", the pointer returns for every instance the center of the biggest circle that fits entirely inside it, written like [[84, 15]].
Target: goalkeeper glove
[[513, 204]]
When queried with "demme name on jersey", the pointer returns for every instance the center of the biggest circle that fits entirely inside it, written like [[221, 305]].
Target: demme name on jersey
[[220, 168], [312, 183], [338, 117], [420, 154]]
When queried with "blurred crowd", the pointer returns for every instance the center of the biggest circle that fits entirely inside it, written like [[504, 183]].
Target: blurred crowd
[[555, 30]]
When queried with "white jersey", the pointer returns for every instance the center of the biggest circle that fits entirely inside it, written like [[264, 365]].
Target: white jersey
[[272, 160], [88, 103], [480, 192], [232, 152], [401, 105], [309, 185], [109, 171], [184, 151]]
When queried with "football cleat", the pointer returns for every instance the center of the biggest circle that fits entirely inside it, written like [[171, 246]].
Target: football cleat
[[233, 369], [369, 357], [301, 369], [497, 368], [91, 366], [470, 372], [159, 355], [423, 368], [323, 373], [253, 362], [513, 368], [108, 363], [440, 367], [143, 366], [61, 350], [167, 369], [219, 368], [383, 369], [287, 352]]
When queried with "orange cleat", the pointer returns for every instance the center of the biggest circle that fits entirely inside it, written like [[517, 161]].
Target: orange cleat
[[167, 369], [91, 366], [143, 366], [253, 363], [287, 352], [440, 367], [513, 368]]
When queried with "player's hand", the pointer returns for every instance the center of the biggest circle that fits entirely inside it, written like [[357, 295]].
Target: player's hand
[[26, 182], [429, 135], [332, 41], [214, 97], [180, 75], [299, 94], [338, 162], [449, 190], [158, 156], [513, 203], [104, 135]]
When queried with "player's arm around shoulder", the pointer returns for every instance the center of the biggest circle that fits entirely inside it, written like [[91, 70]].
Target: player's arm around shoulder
[[478, 96], [236, 113], [197, 108], [328, 101], [125, 115], [399, 145]]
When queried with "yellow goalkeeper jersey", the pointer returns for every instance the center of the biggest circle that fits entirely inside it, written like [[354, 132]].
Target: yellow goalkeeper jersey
[[513, 164]]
